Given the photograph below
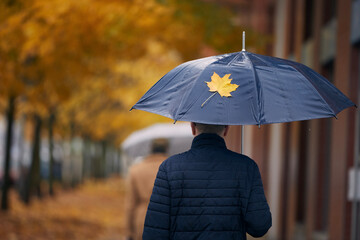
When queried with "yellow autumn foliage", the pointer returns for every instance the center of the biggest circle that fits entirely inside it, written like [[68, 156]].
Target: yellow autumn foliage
[[89, 61]]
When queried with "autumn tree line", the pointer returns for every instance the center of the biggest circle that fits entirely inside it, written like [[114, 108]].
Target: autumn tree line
[[72, 70]]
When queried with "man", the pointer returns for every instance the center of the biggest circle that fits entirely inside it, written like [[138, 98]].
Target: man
[[140, 184], [208, 192]]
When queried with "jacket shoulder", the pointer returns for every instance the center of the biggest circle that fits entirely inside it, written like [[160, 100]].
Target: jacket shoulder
[[241, 157], [175, 158]]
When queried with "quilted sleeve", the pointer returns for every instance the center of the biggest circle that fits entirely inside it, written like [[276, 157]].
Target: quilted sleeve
[[157, 221], [258, 216]]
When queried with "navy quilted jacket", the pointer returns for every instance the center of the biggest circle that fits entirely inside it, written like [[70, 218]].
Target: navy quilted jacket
[[208, 192]]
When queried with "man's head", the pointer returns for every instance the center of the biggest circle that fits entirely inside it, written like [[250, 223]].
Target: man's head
[[198, 128], [159, 145]]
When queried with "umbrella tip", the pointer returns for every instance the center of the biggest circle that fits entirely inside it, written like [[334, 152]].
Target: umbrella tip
[[131, 108], [243, 41], [175, 121]]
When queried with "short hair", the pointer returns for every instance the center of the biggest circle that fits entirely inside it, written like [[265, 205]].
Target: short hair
[[209, 128], [159, 145]]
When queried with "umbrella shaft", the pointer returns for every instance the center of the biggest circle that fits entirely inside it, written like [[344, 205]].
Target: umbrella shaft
[[242, 139]]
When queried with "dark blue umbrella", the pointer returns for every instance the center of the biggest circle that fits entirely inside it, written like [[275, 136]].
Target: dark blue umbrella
[[243, 88]]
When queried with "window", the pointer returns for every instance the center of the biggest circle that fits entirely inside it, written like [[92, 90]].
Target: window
[[329, 11], [309, 19]]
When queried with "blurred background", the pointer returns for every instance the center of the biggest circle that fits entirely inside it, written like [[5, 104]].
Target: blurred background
[[71, 70]]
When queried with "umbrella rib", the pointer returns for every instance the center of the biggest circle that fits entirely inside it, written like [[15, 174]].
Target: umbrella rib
[[168, 82], [268, 63], [313, 88], [236, 56], [258, 90]]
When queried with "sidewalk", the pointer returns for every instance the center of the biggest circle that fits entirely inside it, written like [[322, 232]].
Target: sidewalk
[[94, 211]]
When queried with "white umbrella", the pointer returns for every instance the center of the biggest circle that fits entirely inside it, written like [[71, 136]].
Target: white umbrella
[[138, 144]]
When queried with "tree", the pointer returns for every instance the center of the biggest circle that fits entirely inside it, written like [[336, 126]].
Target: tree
[[7, 180], [84, 63]]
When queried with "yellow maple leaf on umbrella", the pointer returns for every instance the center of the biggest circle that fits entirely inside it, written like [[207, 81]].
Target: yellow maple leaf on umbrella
[[221, 85]]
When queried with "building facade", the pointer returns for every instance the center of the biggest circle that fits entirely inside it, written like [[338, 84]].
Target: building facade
[[308, 167]]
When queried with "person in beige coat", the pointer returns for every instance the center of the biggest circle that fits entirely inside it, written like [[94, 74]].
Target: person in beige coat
[[140, 184]]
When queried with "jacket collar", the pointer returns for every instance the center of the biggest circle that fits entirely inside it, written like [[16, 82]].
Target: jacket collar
[[208, 139]]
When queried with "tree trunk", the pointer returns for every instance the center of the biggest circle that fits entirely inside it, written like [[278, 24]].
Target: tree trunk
[[34, 175], [98, 160], [103, 160], [72, 156], [22, 169], [119, 162], [86, 159], [51, 156], [7, 181]]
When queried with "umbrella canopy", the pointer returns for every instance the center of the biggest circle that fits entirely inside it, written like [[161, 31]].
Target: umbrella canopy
[[243, 88]]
